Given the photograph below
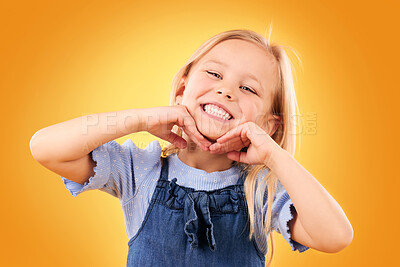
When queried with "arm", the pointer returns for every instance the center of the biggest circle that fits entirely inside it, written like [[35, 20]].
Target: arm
[[319, 222], [64, 147]]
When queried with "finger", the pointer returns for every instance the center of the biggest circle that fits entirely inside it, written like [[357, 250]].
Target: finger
[[197, 138], [233, 142], [230, 145], [216, 148], [240, 131], [230, 134], [201, 139], [189, 126]]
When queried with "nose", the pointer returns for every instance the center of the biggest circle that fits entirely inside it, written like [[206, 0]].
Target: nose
[[225, 93]]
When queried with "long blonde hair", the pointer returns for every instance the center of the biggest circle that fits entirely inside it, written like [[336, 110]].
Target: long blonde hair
[[284, 105]]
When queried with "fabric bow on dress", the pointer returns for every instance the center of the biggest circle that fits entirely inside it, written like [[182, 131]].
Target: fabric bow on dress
[[198, 207]]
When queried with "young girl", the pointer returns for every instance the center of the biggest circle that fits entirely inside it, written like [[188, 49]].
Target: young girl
[[228, 177]]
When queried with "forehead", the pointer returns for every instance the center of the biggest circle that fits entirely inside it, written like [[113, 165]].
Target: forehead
[[244, 58]]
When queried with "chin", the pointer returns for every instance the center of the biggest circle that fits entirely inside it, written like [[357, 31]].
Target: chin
[[211, 136], [212, 130], [211, 139]]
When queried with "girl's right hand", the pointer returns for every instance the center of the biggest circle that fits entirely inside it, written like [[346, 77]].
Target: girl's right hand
[[159, 122]]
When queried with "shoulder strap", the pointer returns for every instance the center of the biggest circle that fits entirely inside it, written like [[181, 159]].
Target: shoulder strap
[[164, 169]]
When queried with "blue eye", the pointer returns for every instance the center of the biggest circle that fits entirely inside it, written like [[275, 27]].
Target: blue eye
[[214, 74], [219, 77], [248, 89]]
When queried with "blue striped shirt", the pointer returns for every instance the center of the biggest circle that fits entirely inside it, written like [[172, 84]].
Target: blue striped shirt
[[131, 174]]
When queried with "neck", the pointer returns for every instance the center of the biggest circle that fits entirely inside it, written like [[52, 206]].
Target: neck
[[195, 157]]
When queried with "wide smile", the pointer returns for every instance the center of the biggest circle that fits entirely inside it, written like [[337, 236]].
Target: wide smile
[[216, 112]]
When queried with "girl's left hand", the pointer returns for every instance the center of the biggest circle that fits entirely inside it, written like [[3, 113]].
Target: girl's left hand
[[260, 146]]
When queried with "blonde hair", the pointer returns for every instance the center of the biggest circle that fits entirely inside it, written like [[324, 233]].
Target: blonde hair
[[284, 105]]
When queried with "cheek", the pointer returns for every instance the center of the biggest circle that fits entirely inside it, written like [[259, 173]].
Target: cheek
[[200, 82], [254, 112]]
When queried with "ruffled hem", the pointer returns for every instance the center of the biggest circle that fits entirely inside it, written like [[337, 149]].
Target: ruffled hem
[[284, 217], [101, 172]]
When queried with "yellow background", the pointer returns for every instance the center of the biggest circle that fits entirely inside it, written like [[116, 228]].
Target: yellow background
[[64, 59]]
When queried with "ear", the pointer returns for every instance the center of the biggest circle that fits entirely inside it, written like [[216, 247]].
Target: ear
[[179, 91], [272, 124]]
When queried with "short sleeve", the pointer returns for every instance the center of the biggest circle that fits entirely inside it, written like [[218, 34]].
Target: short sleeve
[[114, 170], [282, 214]]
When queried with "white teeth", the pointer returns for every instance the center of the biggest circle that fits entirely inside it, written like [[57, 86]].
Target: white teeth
[[217, 111]]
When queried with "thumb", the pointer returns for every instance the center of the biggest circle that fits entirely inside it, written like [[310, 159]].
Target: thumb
[[238, 156], [175, 140]]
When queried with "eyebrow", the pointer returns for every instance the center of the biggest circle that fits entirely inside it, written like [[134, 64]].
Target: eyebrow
[[215, 61], [248, 74]]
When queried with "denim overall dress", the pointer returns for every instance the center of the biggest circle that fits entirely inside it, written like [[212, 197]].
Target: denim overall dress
[[187, 227]]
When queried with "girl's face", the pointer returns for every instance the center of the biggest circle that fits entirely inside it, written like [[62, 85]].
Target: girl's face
[[228, 86]]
